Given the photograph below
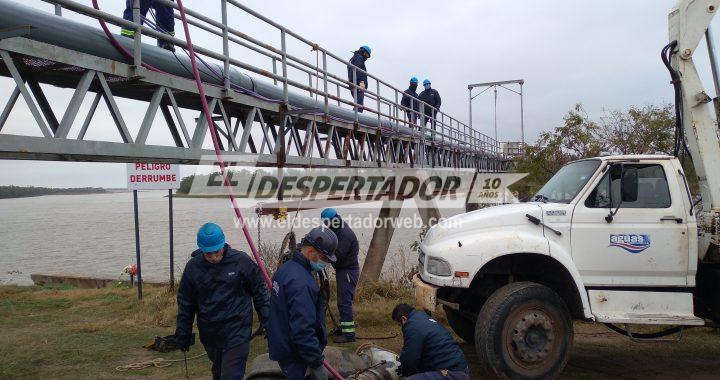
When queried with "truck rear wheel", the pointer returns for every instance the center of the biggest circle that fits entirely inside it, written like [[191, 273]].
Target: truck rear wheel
[[462, 324], [524, 331]]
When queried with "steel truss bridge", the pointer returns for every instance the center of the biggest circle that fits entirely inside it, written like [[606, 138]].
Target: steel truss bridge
[[301, 114]]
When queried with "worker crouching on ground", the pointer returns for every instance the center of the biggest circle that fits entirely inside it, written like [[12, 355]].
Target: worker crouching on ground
[[165, 20], [221, 285], [431, 97], [410, 102], [297, 335], [357, 77], [428, 352], [347, 273]]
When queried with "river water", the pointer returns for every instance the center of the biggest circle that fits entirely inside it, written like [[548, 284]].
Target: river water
[[93, 235]]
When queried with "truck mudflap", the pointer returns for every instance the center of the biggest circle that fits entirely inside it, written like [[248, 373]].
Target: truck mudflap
[[425, 294]]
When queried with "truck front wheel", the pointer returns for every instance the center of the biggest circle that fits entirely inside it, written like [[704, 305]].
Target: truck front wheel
[[462, 323], [524, 331]]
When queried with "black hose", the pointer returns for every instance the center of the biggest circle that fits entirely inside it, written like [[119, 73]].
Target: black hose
[[680, 147], [655, 335]]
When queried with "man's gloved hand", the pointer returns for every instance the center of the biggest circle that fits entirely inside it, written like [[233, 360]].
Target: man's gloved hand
[[184, 348], [319, 373], [362, 85]]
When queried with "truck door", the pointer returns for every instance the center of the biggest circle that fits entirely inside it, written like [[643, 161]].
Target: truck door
[[646, 243]]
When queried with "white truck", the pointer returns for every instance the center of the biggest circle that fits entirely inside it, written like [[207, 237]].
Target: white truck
[[618, 240]]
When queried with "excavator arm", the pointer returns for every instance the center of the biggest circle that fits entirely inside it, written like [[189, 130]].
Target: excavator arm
[[688, 23]]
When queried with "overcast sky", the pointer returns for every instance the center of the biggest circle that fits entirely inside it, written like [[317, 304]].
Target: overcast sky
[[604, 54]]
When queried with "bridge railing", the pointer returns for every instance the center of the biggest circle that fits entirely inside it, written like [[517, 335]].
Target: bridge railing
[[383, 100]]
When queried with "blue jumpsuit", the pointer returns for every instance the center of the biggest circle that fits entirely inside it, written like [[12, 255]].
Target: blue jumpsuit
[[356, 76], [429, 352], [296, 332], [164, 14], [347, 273]]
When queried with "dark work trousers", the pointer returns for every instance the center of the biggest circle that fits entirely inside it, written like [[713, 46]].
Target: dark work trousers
[[228, 363], [441, 375], [293, 370], [411, 117], [347, 280], [431, 119], [360, 97], [164, 14]]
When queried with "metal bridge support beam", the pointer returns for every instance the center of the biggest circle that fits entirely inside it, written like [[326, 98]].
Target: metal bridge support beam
[[380, 242], [430, 214]]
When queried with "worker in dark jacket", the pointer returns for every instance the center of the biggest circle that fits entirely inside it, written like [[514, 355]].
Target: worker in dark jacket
[[347, 273], [165, 19], [409, 101], [297, 334], [432, 98], [221, 285], [428, 352], [357, 77]]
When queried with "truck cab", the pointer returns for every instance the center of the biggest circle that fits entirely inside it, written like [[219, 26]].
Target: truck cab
[[608, 239]]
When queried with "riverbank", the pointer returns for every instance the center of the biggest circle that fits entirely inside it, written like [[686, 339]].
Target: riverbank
[[10, 192], [65, 333]]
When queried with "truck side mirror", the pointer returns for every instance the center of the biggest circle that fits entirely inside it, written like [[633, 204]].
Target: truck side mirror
[[629, 184]]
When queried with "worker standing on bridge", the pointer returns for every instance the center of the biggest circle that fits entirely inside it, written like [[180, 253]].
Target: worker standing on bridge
[[410, 102], [165, 20], [297, 335], [221, 285], [428, 352], [347, 273], [357, 77], [432, 98]]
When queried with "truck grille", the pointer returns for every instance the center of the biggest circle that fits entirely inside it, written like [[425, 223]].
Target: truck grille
[[421, 262]]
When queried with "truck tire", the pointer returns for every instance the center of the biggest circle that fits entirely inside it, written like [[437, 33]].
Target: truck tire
[[463, 326], [524, 331]]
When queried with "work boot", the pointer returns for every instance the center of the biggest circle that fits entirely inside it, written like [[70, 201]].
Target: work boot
[[336, 332], [166, 45], [344, 339]]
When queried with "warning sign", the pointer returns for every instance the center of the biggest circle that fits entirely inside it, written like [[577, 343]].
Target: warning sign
[[152, 176]]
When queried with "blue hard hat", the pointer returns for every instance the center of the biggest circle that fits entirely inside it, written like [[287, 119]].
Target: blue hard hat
[[426, 81], [328, 213], [366, 48], [413, 80], [324, 240], [210, 238]]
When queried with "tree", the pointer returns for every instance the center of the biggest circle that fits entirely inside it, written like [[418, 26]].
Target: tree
[[645, 130]]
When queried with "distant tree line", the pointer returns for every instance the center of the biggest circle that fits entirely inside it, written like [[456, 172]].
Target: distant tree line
[[637, 130], [31, 191]]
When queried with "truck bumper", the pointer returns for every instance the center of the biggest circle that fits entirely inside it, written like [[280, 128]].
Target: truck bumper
[[425, 294]]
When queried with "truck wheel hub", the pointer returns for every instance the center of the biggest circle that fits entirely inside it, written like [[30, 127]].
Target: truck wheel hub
[[533, 337]]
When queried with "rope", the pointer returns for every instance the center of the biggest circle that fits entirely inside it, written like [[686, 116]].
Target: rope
[[157, 363]]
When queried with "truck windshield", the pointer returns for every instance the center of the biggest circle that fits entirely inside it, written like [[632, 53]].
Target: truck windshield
[[567, 182]]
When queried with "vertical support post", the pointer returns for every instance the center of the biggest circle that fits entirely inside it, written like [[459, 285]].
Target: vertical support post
[[380, 242], [355, 92], [137, 245], [325, 82], [172, 245], [274, 61], [470, 99], [226, 47], [137, 46], [495, 114], [58, 10], [522, 120], [284, 67]]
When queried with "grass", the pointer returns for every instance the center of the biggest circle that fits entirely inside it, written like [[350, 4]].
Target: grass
[[61, 333]]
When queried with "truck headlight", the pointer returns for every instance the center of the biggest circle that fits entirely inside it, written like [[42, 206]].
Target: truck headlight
[[438, 267]]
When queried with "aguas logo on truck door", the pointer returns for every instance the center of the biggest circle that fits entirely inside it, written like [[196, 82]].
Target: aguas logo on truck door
[[633, 243]]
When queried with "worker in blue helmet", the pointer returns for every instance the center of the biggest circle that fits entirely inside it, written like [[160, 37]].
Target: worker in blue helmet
[[357, 75], [410, 101], [297, 335], [164, 15], [221, 285], [432, 103], [347, 273]]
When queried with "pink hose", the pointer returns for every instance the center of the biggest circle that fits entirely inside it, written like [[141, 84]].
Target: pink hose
[[221, 162]]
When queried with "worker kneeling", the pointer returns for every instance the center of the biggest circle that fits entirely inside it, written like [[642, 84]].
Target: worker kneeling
[[429, 352], [221, 285], [297, 335]]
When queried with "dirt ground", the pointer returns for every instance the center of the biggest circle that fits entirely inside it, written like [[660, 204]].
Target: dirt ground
[[86, 334]]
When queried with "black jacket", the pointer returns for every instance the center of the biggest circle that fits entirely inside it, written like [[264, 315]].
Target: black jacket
[[431, 97], [222, 295], [347, 248], [408, 100], [297, 319], [428, 347], [357, 60]]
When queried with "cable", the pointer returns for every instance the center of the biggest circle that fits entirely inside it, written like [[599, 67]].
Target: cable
[[218, 153], [654, 335], [157, 363]]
